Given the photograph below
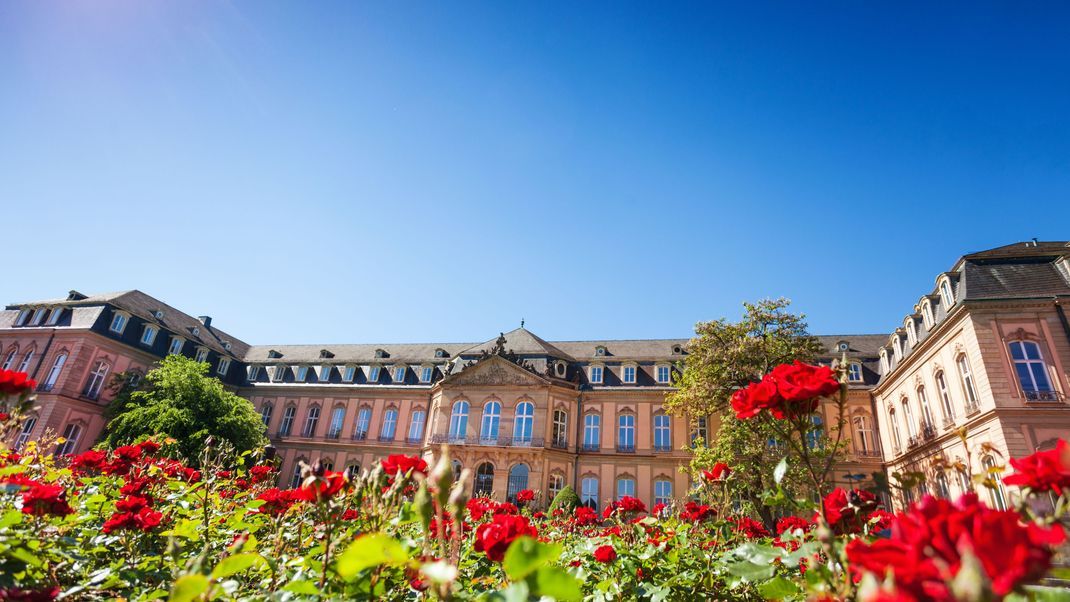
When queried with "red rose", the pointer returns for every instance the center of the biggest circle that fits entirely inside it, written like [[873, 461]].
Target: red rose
[[15, 594], [924, 552], [750, 401], [605, 554], [128, 453], [149, 447], [402, 464], [131, 504], [584, 516], [696, 513], [276, 501], [1044, 470], [628, 503], [259, 474], [493, 538], [45, 500], [15, 383], [791, 523], [749, 528], [798, 382], [524, 496], [4, 416], [90, 460], [478, 506], [323, 488], [719, 472], [842, 507]]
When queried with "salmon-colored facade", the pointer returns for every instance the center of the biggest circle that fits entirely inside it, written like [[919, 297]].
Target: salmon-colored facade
[[524, 413]]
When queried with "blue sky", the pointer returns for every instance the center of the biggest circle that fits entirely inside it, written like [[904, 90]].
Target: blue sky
[[435, 171]]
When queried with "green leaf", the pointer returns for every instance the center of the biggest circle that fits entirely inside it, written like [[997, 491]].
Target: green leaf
[[555, 582], [525, 556], [778, 588], [749, 571], [302, 586], [188, 587], [11, 517], [234, 564], [1048, 594], [780, 470], [370, 550]]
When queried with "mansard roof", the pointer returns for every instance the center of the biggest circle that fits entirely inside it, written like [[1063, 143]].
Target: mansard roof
[[522, 342]]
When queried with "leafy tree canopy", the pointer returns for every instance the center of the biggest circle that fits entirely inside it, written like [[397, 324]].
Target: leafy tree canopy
[[178, 400]]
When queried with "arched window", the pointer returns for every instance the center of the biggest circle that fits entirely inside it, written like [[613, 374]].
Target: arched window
[[53, 373], [416, 426], [589, 492], [10, 358], [816, 433], [338, 416], [353, 470], [927, 313], [965, 486], [1032, 371], [312, 420], [390, 425], [96, 380], [288, 417], [295, 480], [662, 432], [945, 397], [908, 416], [492, 416], [997, 496], [560, 430], [265, 413], [942, 488], [24, 434], [518, 481], [457, 468], [484, 484], [459, 421], [864, 440], [626, 433], [893, 423], [662, 491], [523, 423], [24, 366], [929, 425], [912, 332], [884, 361], [967, 382], [897, 347], [946, 296], [625, 487], [363, 424], [555, 485], [592, 432], [327, 465]]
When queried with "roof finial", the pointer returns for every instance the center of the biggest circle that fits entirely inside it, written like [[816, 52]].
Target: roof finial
[[521, 322]]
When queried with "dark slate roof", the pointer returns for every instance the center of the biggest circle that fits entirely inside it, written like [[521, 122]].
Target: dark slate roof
[[858, 345], [405, 353], [145, 307], [1022, 249], [522, 342], [1013, 278]]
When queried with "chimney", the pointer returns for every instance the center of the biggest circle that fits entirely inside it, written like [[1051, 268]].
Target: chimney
[[206, 320]]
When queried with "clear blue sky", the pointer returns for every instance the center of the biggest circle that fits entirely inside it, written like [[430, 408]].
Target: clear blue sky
[[434, 171]]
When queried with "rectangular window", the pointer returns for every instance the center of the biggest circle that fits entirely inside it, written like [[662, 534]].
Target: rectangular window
[[662, 492], [265, 413], [23, 316], [224, 365], [311, 422], [625, 487], [10, 359], [596, 374], [280, 373], [24, 366], [176, 346], [148, 336], [24, 434], [254, 373], [663, 374], [390, 425], [287, 421], [70, 440], [338, 416], [416, 426], [589, 492], [373, 374], [325, 374], [425, 374], [700, 430], [591, 432], [302, 374], [349, 374], [629, 374], [626, 433], [296, 480], [662, 433], [202, 355], [53, 317], [854, 373], [38, 315], [364, 418], [118, 323], [399, 374]]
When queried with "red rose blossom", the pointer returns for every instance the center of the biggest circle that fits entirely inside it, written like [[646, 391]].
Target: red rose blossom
[[323, 488], [402, 464], [45, 500], [719, 472], [524, 496], [493, 538], [1043, 471], [15, 383], [788, 390], [605, 554], [791, 523], [17, 594]]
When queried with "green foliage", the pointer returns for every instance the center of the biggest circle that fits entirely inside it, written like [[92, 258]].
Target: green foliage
[[178, 400], [565, 500]]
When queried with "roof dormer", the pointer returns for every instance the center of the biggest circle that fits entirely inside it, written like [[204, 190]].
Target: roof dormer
[[273, 354], [324, 354], [381, 353]]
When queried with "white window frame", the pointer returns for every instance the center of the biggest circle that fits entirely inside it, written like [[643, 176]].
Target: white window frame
[[389, 429], [266, 411], [373, 373], [416, 425], [592, 431], [148, 335], [625, 487], [854, 372], [885, 365], [897, 436], [53, 317], [908, 416], [1032, 365], [947, 295], [523, 422], [325, 373], [10, 359], [664, 373], [626, 431], [362, 425], [458, 429], [312, 422], [349, 374], [426, 372], [399, 373], [38, 316], [912, 332], [97, 377], [25, 432], [24, 365], [596, 373], [662, 430], [559, 427], [338, 418], [629, 370], [24, 315], [945, 395], [490, 421], [866, 442], [176, 341], [254, 372], [589, 491], [966, 380], [289, 416], [927, 313], [71, 433], [223, 366], [118, 322], [202, 355], [665, 496], [54, 371], [301, 374]]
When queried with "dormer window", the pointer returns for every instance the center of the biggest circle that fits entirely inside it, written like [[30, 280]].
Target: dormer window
[[628, 374], [302, 374], [399, 374], [854, 372], [843, 346], [927, 313], [274, 355], [600, 351], [175, 348], [202, 354], [426, 372], [349, 373], [596, 374], [324, 354], [224, 365], [254, 373], [884, 361], [53, 317], [279, 374], [373, 374], [380, 353], [23, 316], [325, 373], [440, 353], [677, 349], [158, 314], [946, 296], [227, 346], [912, 332], [38, 316], [118, 323], [897, 347], [663, 373], [148, 336], [196, 331]]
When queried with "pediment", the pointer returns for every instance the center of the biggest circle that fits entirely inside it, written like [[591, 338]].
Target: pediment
[[492, 371]]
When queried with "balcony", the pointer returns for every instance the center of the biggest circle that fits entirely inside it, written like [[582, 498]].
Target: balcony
[[1045, 396], [972, 408], [949, 423], [414, 440], [590, 447], [360, 436], [333, 434], [871, 453], [45, 387], [559, 444], [386, 438], [500, 441], [662, 448], [625, 448], [928, 432], [913, 442]]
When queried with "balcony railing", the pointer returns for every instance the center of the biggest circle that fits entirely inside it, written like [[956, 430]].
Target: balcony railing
[[386, 438], [559, 444], [360, 436], [913, 441], [283, 433], [590, 447], [333, 434], [928, 432], [500, 441], [662, 448], [1042, 396], [45, 387], [414, 440], [949, 423], [972, 408], [625, 448], [872, 453]]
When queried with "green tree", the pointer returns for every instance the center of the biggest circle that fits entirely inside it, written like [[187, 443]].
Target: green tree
[[723, 357], [178, 400]]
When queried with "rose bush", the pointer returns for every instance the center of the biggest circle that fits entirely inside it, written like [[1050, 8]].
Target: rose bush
[[135, 523]]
